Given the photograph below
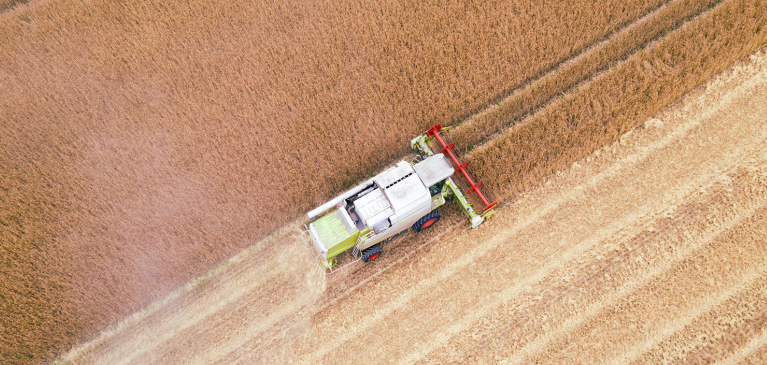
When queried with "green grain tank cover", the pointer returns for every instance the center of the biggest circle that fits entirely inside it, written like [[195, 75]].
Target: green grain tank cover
[[334, 234]]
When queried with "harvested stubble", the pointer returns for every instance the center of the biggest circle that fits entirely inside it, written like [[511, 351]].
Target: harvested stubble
[[600, 111], [143, 142]]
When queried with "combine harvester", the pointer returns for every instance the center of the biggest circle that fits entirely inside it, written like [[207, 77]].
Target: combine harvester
[[403, 198]]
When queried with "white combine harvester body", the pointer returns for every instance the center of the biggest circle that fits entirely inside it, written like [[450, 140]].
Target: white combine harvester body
[[404, 197]]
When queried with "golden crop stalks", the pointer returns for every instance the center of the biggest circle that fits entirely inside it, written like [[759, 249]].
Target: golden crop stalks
[[144, 142], [600, 111], [567, 75]]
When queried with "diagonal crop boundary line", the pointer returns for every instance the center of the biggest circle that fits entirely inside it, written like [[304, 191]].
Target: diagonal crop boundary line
[[508, 294], [631, 160], [207, 311], [579, 123], [572, 194], [679, 133], [573, 62], [568, 64]]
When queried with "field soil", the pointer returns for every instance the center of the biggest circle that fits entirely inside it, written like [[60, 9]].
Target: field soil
[[650, 250]]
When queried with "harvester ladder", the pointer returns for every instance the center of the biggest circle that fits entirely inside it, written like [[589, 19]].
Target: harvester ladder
[[460, 166], [356, 250], [360, 238]]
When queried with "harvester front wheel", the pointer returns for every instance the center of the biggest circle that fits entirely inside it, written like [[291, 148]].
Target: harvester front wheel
[[427, 220], [371, 253]]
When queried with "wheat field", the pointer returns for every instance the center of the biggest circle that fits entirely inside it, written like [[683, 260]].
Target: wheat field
[[143, 143], [649, 250]]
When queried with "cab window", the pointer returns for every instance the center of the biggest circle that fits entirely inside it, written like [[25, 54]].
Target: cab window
[[436, 188]]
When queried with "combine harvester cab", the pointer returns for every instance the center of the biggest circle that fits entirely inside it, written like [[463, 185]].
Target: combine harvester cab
[[405, 197]]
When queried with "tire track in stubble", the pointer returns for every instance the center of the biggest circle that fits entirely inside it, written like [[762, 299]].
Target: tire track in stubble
[[623, 323], [254, 317], [281, 298], [169, 328], [563, 297], [694, 288], [643, 258], [701, 307], [565, 349], [754, 352], [251, 350], [719, 332]]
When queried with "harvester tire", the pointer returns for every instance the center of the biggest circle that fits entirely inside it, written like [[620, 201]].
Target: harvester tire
[[427, 220], [371, 253]]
